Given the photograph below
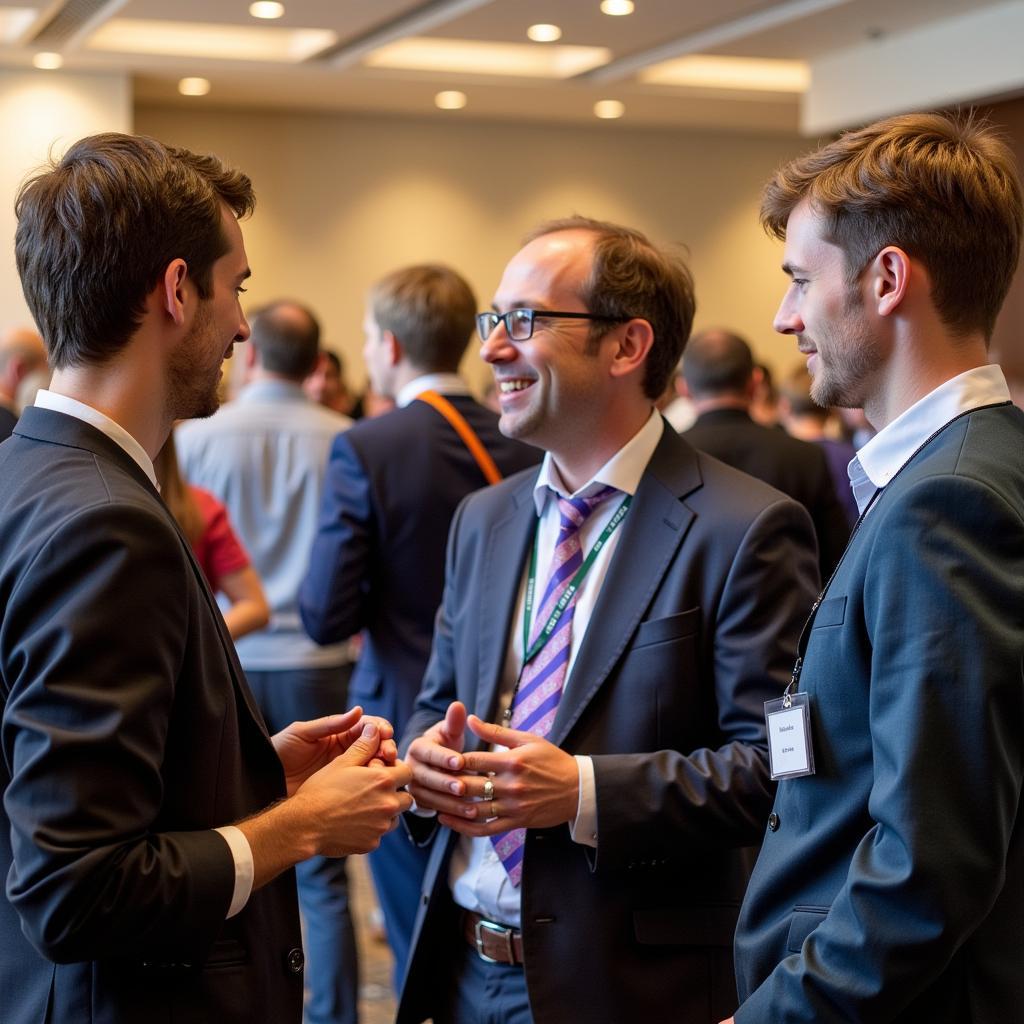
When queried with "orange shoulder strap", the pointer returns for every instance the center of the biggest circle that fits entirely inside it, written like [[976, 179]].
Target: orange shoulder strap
[[483, 459]]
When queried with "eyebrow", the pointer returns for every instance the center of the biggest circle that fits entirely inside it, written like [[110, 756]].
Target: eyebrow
[[792, 268], [244, 275]]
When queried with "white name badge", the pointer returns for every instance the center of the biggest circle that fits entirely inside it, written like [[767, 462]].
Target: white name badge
[[789, 736]]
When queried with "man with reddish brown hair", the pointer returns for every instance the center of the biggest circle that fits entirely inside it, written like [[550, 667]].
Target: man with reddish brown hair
[[890, 886]]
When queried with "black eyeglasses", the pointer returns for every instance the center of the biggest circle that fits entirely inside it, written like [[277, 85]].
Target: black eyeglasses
[[519, 322]]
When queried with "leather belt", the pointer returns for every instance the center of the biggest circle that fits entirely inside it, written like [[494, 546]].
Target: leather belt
[[495, 943]]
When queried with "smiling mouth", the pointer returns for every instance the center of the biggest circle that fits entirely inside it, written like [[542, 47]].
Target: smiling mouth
[[512, 385]]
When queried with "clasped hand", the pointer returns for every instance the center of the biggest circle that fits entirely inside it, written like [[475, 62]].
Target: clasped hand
[[535, 784]]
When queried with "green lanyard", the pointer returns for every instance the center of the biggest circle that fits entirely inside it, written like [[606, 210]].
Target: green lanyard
[[529, 653]]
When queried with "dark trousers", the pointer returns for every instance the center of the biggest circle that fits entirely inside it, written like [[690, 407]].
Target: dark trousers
[[398, 867], [332, 967], [483, 993]]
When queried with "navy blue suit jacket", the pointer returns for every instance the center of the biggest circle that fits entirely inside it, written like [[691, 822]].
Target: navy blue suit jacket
[[893, 888], [128, 734], [694, 628], [392, 486]]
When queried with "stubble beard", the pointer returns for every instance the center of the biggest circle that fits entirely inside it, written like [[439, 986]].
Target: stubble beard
[[192, 388]]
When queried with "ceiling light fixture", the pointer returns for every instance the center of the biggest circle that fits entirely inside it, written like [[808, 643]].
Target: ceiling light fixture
[[450, 99], [747, 74], [617, 8], [470, 57], [268, 9], [194, 86], [48, 61], [544, 33], [609, 110]]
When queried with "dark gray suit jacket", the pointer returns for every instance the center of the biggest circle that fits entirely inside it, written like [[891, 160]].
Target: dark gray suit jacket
[[893, 888], [128, 733], [694, 628]]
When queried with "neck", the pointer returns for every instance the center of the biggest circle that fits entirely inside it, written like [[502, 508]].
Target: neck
[[915, 370], [711, 402], [260, 374], [578, 463], [117, 391], [406, 373]]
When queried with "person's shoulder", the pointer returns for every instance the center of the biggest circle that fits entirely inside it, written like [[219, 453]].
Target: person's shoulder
[[733, 492]]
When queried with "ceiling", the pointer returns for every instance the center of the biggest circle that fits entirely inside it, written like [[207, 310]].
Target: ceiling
[[335, 69]]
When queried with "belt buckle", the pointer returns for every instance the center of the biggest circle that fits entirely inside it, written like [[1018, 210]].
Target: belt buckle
[[494, 929]]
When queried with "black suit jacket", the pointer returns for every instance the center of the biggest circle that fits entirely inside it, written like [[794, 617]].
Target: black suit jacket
[[694, 628], [128, 732], [392, 486], [893, 886], [795, 467]]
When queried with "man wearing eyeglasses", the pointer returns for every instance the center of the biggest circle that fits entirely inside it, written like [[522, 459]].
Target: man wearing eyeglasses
[[624, 614]]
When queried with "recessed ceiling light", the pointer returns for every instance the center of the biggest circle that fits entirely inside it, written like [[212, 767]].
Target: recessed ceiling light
[[470, 57], [544, 33], [609, 109], [617, 8], [268, 9], [194, 86], [48, 61], [269, 43], [750, 74], [450, 99]]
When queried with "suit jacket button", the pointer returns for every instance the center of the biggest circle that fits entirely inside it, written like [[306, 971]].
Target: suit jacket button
[[773, 822], [295, 961]]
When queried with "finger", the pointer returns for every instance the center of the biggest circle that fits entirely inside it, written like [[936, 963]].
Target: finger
[[364, 748], [488, 762], [439, 781], [428, 752], [431, 799], [499, 735], [329, 725], [472, 827], [388, 751], [400, 774], [384, 728]]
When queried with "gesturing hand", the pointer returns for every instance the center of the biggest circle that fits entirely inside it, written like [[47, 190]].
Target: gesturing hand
[[436, 759], [305, 747], [534, 783]]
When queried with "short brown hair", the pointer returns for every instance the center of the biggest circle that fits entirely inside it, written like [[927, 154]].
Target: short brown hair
[[97, 229], [943, 188], [431, 311], [630, 277]]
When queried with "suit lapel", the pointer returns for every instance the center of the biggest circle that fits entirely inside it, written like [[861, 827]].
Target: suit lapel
[[651, 534], [500, 578]]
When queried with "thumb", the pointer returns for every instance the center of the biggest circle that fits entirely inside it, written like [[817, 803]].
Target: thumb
[[455, 724], [363, 748], [500, 735], [330, 725]]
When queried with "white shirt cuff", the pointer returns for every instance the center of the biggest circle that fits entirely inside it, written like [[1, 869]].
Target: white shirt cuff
[[241, 851], [584, 829]]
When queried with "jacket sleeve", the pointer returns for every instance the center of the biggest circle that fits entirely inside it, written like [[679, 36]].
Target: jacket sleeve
[[333, 595], [662, 804], [91, 648], [944, 615]]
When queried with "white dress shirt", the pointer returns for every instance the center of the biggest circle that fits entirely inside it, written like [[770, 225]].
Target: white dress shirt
[[442, 383], [476, 875], [893, 446], [241, 852]]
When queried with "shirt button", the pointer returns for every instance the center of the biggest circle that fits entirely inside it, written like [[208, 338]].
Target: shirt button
[[773, 822], [295, 961]]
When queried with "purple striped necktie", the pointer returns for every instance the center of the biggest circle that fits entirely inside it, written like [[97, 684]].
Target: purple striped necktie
[[541, 680]]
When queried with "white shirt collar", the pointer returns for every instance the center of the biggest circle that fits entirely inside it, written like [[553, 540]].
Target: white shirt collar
[[622, 471], [893, 446], [80, 411], [442, 383]]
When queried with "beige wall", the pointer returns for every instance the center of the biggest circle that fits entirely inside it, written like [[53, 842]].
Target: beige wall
[[343, 199]]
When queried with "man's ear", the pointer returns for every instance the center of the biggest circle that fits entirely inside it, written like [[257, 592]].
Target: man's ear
[[394, 348], [634, 343], [172, 290], [889, 275]]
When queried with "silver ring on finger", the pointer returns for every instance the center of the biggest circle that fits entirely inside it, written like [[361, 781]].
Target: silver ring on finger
[[489, 790]]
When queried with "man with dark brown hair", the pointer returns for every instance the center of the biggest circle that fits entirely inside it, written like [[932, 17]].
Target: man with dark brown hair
[[890, 886], [149, 823], [624, 612]]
